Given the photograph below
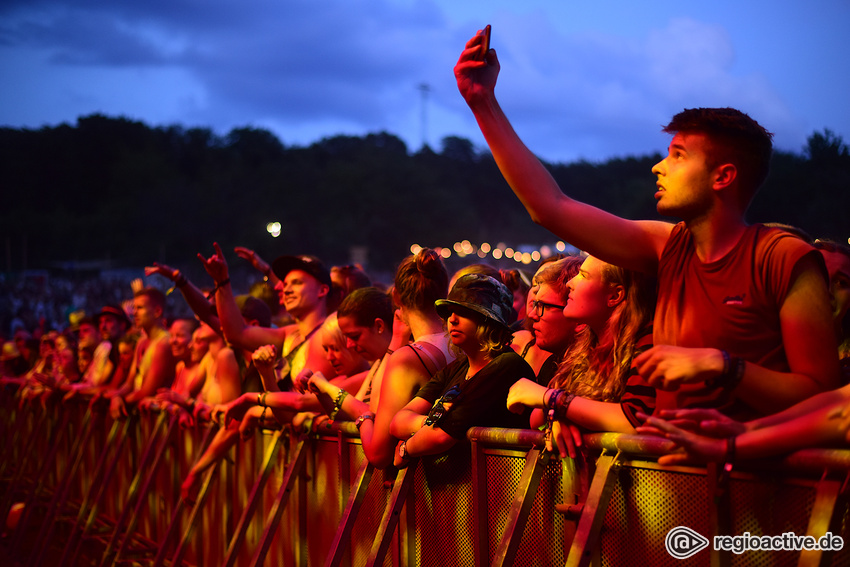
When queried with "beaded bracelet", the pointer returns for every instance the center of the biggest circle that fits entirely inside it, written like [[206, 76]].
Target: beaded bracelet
[[338, 404], [553, 400]]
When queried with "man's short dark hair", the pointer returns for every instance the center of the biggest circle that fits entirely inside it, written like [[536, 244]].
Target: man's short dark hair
[[735, 138], [156, 297]]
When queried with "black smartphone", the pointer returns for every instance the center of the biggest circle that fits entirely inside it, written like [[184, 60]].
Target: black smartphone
[[485, 46]]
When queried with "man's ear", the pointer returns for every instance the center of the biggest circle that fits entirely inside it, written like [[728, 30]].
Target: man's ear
[[617, 295], [324, 289], [724, 176]]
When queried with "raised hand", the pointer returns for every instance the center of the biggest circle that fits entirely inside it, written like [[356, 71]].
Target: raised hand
[[476, 78], [247, 254], [215, 265]]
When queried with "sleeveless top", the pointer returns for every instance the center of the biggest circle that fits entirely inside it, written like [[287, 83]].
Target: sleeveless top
[[294, 358]]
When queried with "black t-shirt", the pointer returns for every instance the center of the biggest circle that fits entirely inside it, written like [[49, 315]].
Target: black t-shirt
[[483, 398]]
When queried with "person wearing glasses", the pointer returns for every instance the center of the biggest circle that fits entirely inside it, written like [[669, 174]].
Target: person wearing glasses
[[597, 386], [472, 390], [547, 334]]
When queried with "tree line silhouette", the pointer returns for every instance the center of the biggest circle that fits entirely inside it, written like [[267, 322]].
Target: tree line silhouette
[[120, 193]]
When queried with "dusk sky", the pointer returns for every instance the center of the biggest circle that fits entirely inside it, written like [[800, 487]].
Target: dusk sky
[[588, 80]]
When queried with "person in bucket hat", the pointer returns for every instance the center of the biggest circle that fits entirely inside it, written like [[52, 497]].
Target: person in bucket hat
[[472, 391]]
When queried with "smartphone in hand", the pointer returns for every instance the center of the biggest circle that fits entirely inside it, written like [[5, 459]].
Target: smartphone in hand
[[485, 45]]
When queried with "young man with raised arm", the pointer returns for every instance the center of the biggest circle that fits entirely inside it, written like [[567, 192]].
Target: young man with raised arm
[[743, 316]]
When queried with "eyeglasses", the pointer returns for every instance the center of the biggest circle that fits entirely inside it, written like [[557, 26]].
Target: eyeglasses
[[540, 307], [439, 409]]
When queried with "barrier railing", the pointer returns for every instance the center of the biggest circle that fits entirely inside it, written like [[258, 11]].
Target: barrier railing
[[95, 490]]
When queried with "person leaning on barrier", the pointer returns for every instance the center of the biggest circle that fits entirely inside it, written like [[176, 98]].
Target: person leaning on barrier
[[153, 363], [420, 281], [367, 315], [597, 385], [252, 408], [472, 390], [548, 334], [742, 321]]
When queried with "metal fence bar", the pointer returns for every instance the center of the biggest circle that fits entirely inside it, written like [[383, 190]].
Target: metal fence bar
[[590, 524], [292, 472], [535, 465], [401, 488], [349, 516], [253, 500]]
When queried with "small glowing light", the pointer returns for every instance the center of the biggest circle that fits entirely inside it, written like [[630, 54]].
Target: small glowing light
[[457, 247], [501, 246], [535, 256], [485, 247], [526, 257], [560, 246], [482, 254], [497, 253], [273, 228], [415, 248], [445, 252], [517, 257], [509, 252], [545, 251]]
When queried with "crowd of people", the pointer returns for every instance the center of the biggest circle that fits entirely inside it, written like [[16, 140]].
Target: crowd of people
[[730, 339]]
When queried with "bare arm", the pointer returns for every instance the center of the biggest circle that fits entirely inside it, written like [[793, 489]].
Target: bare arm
[[401, 379], [232, 324], [818, 428], [197, 301], [634, 245]]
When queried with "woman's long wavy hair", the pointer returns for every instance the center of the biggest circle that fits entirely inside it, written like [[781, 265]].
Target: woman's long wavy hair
[[596, 369]]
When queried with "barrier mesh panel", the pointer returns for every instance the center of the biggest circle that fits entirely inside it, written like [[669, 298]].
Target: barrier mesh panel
[[542, 538], [444, 511], [645, 505], [371, 511], [767, 507]]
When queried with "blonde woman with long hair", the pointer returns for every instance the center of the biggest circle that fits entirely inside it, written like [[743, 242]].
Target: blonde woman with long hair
[[596, 386]]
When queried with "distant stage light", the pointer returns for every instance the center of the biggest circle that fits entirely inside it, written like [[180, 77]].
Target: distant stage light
[[273, 228], [497, 253], [445, 252], [560, 246]]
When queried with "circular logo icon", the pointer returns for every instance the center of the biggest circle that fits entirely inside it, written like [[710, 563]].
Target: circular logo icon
[[683, 542]]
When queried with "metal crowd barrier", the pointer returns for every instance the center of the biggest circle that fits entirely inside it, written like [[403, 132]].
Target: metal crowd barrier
[[103, 492]]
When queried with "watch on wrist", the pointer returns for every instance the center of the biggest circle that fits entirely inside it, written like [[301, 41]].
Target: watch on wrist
[[359, 421]]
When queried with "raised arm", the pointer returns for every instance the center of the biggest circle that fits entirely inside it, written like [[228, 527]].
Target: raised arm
[[233, 325], [194, 297], [635, 245]]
